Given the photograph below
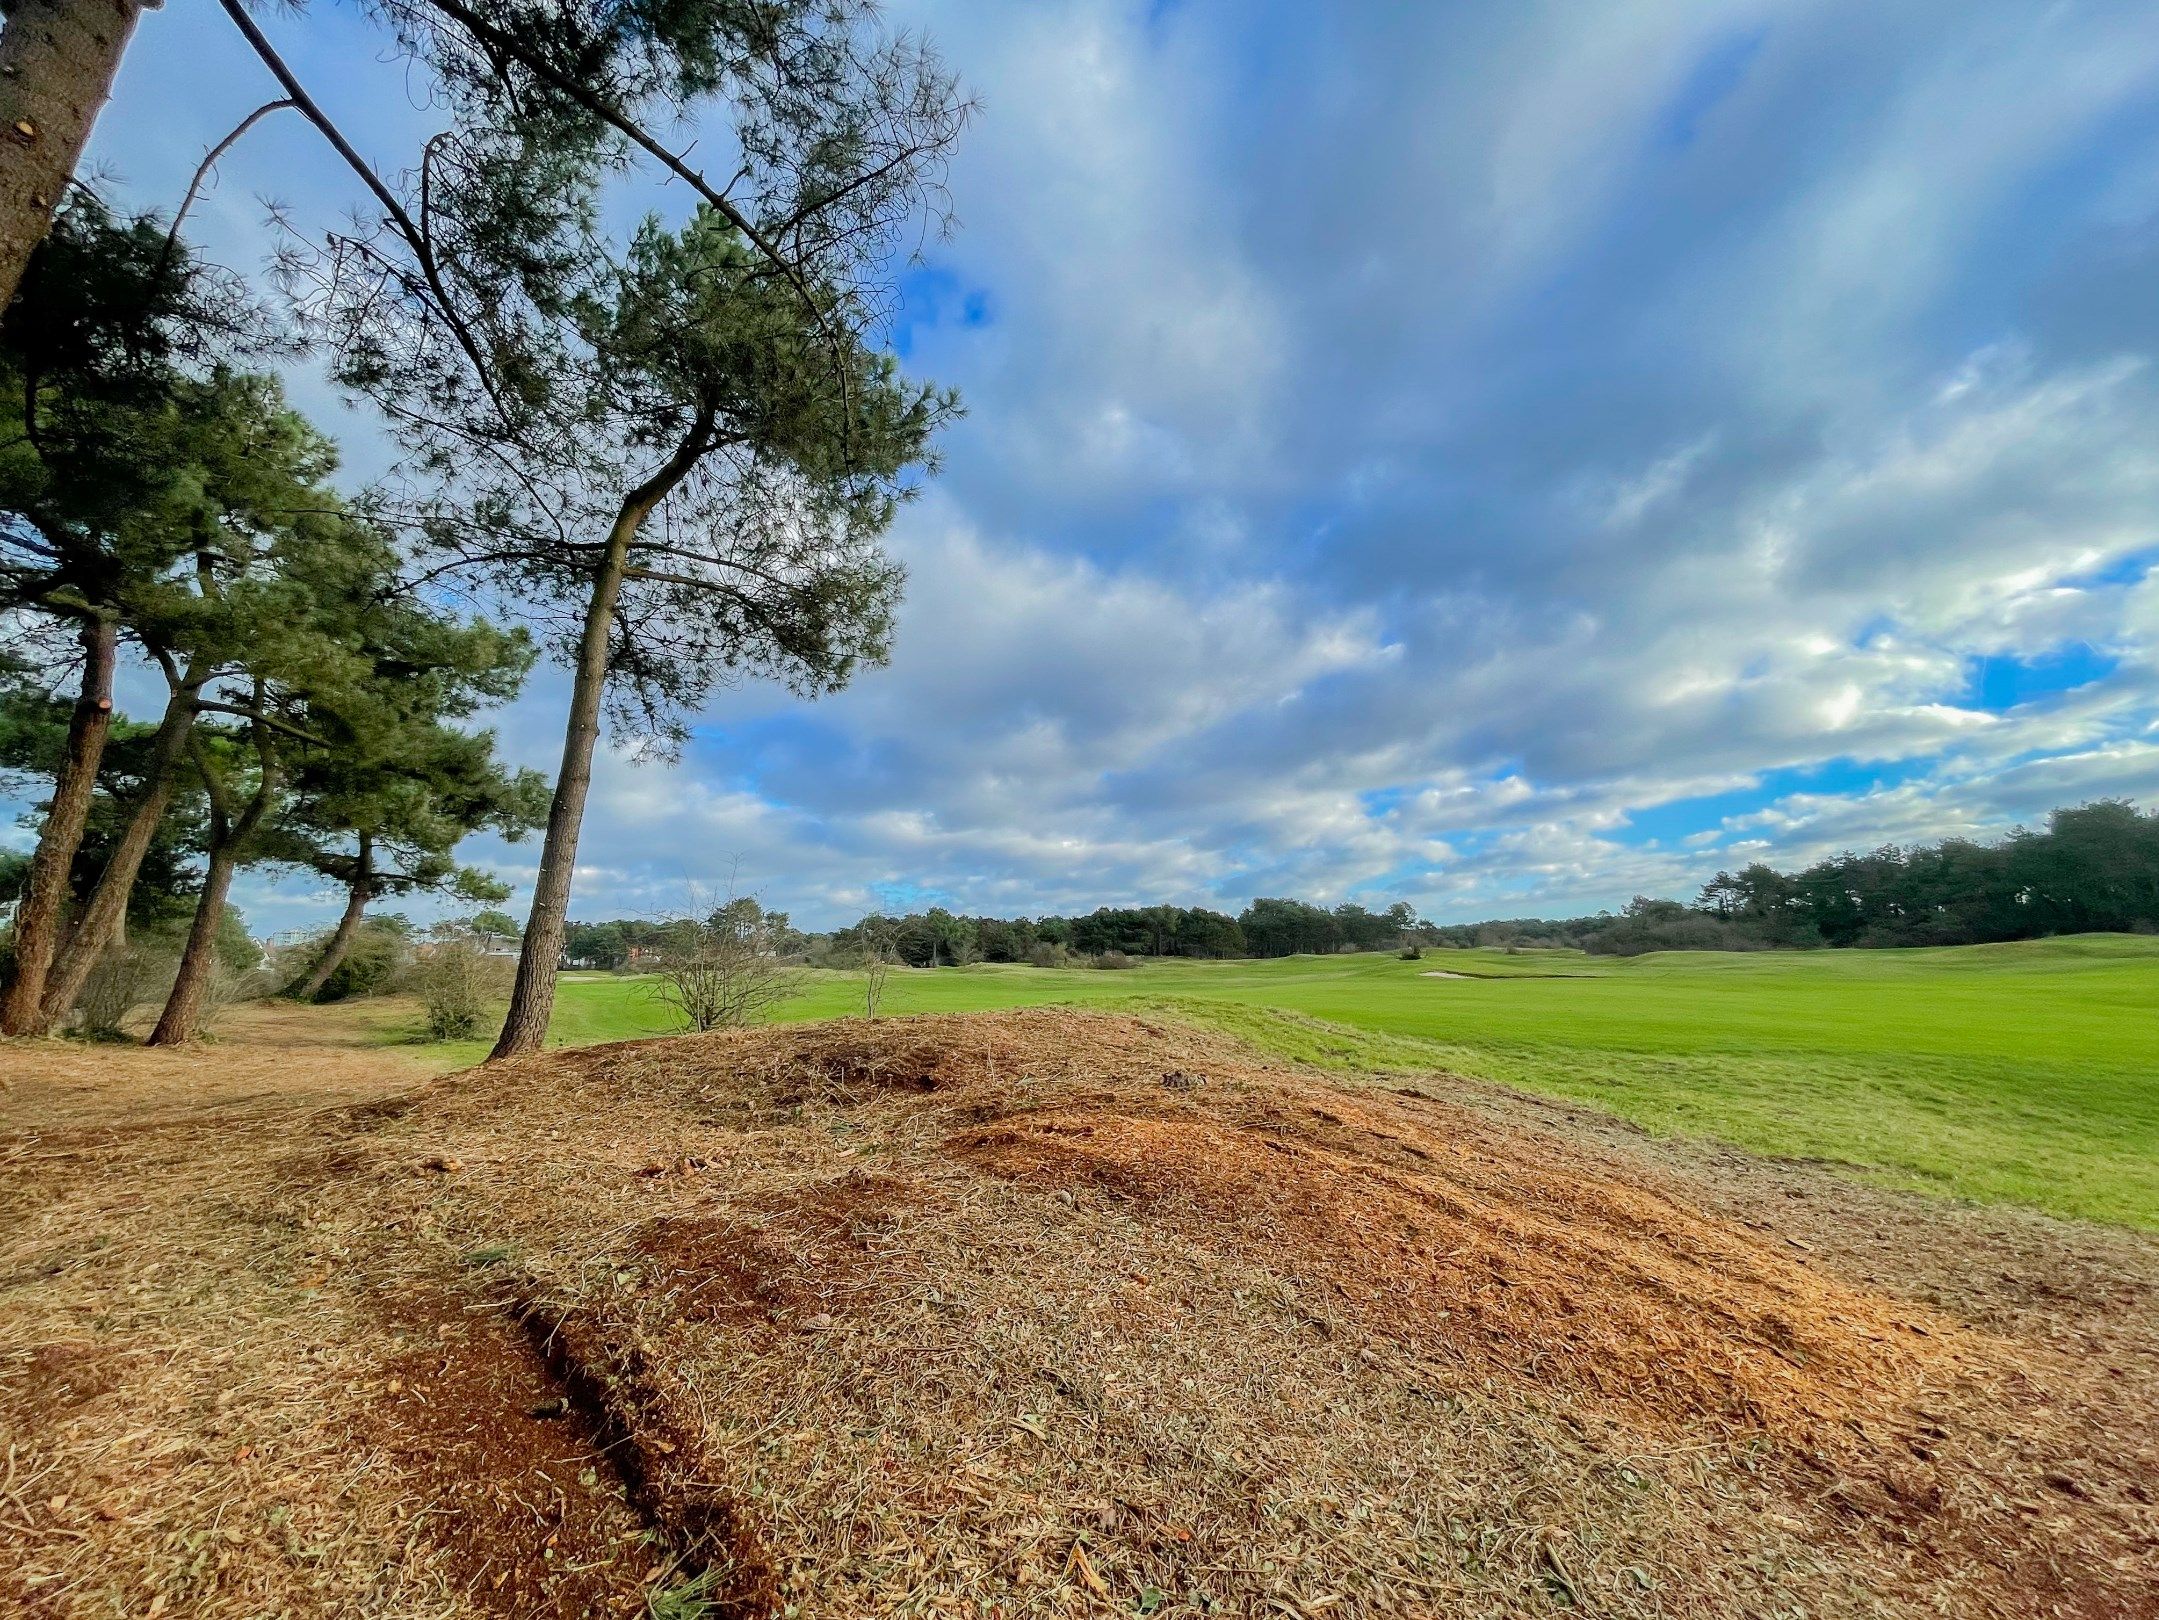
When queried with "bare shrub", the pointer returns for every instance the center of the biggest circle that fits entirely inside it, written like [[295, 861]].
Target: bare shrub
[[460, 987], [723, 970], [230, 984], [1044, 954], [1114, 959], [876, 959], [125, 979]]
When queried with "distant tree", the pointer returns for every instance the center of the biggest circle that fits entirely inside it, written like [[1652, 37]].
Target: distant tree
[[933, 938], [493, 926], [1278, 927], [599, 945], [2096, 867], [1003, 941], [1209, 933]]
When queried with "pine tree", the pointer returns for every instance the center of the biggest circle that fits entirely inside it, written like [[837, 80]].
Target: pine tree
[[104, 424]]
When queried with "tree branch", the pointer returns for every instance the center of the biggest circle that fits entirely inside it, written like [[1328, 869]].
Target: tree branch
[[414, 237], [202, 173], [565, 84], [267, 721]]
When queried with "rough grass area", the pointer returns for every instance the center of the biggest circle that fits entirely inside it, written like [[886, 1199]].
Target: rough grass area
[[2024, 1073], [1030, 1313]]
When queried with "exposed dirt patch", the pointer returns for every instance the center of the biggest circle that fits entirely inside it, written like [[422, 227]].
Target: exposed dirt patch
[[529, 1504], [643, 1422], [51, 1379], [815, 1253]]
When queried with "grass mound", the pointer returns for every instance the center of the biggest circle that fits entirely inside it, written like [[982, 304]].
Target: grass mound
[[1054, 1310], [1443, 1234]]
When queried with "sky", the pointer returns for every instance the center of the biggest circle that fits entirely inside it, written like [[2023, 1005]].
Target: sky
[[1504, 456]]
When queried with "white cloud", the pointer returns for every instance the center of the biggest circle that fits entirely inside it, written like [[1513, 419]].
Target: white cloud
[[1407, 445]]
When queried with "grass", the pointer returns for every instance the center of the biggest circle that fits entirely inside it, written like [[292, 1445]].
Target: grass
[[2024, 1073]]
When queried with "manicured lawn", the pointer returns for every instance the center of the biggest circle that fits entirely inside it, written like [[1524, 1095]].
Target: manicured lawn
[[2023, 1073]]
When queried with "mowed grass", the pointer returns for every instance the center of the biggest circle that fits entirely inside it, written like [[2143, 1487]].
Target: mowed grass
[[2025, 1073]]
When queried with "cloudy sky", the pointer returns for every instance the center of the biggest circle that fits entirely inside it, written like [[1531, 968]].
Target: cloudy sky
[[1506, 456]]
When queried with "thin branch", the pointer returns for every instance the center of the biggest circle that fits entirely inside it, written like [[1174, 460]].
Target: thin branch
[[202, 173], [259, 717], [414, 237]]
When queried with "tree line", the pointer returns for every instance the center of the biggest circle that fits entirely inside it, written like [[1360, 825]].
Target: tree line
[[2091, 869], [2094, 868], [665, 454], [936, 937]]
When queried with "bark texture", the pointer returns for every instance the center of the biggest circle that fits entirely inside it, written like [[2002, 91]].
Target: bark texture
[[37, 922], [181, 1020], [57, 61], [532, 999]]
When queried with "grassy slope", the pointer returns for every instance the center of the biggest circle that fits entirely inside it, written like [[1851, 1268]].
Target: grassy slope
[[2025, 1073]]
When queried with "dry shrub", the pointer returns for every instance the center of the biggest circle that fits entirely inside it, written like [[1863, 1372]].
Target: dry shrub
[[460, 988], [1048, 955], [723, 980], [873, 957], [1113, 960], [125, 979], [371, 965]]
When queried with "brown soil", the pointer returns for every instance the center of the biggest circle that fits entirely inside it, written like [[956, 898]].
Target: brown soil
[[1016, 1314]]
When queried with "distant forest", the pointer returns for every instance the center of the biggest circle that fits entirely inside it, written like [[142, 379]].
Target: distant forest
[[2094, 869]]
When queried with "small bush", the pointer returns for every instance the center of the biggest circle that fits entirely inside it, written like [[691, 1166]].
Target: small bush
[[723, 979], [370, 966], [1412, 953], [460, 987], [1044, 954], [1114, 959]]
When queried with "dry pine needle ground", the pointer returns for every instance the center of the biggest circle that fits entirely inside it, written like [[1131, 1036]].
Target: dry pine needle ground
[[1024, 1313]]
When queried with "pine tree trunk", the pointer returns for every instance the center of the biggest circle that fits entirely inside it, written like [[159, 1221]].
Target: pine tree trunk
[[37, 923], [532, 999], [57, 61], [348, 925], [177, 1024], [101, 920], [181, 1020]]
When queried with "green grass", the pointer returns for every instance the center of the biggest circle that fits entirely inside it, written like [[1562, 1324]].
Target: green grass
[[2023, 1073]]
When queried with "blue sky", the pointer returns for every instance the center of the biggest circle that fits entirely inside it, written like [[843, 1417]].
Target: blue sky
[[1506, 456]]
